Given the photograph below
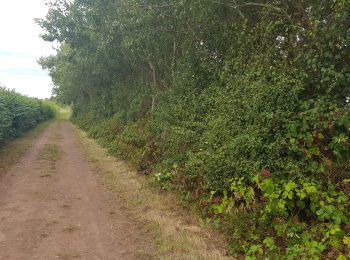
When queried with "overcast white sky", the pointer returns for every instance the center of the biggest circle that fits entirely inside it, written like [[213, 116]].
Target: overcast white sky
[[21, 46]]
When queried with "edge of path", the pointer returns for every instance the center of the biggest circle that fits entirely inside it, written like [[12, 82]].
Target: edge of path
[[177, 230], [11, 152]]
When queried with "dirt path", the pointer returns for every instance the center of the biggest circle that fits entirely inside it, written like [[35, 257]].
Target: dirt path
[[53, 206]]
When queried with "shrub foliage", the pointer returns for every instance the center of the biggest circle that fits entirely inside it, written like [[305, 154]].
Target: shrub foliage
[[19, 113]]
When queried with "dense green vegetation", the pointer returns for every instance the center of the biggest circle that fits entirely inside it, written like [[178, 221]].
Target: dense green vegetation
[[19, 113], [241, 106]]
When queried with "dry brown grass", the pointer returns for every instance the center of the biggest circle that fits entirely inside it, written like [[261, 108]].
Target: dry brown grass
[[178, 233]]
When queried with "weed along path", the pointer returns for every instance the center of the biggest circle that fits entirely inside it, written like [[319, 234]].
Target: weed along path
[[65, 199]]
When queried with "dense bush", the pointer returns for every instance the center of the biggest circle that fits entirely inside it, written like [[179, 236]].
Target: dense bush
[[19, 113], [241, 106]]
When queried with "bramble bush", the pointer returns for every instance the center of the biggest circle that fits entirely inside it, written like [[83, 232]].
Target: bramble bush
[[19, 113]]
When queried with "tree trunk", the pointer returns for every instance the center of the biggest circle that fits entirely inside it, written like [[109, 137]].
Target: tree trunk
[[155, 83]]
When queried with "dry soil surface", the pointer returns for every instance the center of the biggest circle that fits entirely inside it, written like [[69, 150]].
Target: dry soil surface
[[53, 206]]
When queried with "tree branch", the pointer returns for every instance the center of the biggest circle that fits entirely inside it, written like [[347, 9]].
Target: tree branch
[[267, 6], [250, 4]]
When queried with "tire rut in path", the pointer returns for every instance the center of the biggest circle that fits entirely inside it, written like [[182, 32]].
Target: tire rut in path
[[53, 206]]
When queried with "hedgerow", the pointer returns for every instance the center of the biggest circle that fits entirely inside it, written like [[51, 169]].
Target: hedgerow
[[240, 106], [19, 113]]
